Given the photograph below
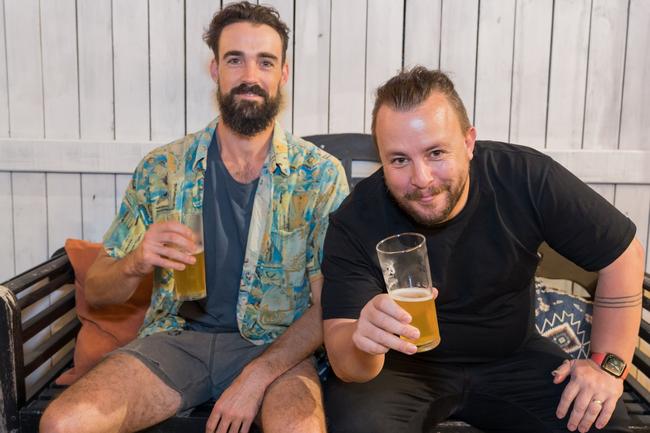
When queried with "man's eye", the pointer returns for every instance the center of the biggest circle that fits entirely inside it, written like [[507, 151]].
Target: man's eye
[[267, 64], [399, 161], [435, 153], [233, 61]]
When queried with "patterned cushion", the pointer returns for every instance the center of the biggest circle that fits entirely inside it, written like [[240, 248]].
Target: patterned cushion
[[565, 319]]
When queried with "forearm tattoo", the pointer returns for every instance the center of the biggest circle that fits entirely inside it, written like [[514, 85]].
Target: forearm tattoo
[[618, 301]]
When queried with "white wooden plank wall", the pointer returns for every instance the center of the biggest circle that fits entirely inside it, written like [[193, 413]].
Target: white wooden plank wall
[[568, 73], [532, 50], [347, 67], [568, 77], [4, 97]]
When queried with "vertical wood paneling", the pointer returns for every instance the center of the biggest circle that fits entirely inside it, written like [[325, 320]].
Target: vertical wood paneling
[[311, 73], [96, 84], [26, 102], [63, 209], [532, 40], [347, 66], [422, 33], [60, 81], [131, 62], [24, 68], [568, 73], [494, 69], [285, 8], [30, 219], [383, 48], [94, 22], [61, 100], [98, 204], [121, 182], [636, 93], [201, 102], [7, 233], [458, 47], [4, 96], [634, 202], [605, 73], [167, 70], [343, 51]]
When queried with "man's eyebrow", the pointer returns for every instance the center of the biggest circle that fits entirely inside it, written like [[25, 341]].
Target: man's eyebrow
[[263, 55], [233, 53]]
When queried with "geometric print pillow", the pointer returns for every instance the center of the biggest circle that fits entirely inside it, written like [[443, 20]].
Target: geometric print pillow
[[565, 319]]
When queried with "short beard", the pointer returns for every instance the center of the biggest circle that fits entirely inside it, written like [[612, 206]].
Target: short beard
[[434, 220], [248, 118]]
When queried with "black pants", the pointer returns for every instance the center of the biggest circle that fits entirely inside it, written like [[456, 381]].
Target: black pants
[[515, 394]]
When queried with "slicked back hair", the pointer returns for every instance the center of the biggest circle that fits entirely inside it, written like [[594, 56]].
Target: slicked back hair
[[410, 88], [245, 12]]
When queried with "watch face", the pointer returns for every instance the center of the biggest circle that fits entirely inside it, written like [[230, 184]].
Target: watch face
[[614, 365]]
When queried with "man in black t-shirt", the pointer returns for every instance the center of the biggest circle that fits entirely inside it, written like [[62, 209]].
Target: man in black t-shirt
[[484, 208]]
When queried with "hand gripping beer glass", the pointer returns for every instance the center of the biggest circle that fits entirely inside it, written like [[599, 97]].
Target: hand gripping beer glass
[[190, 283], [405, 266]]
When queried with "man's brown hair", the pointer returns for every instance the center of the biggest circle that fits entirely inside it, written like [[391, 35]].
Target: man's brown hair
[[410, 88], [245, 12]]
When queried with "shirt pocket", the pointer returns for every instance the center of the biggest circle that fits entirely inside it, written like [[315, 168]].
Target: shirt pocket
[[283, 277]]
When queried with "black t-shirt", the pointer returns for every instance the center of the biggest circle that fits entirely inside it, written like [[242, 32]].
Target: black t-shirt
[[483, 260]]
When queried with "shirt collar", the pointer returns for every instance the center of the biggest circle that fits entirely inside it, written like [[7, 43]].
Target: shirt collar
[[203, 140], [279, 151], [278, 154]]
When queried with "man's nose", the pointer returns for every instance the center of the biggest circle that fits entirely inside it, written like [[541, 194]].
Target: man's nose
[[250, 73], [421, 175]]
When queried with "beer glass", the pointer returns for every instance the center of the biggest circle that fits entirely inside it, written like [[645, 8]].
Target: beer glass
[[190, 283], [405, 266]]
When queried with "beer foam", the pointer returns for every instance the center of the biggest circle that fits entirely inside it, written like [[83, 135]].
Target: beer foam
[[411, 294]]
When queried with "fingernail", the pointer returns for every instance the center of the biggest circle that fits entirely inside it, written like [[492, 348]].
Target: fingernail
[[554, 373]]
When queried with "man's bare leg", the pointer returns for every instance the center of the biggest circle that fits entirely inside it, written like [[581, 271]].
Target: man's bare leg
[[119, 395], [294, 402]]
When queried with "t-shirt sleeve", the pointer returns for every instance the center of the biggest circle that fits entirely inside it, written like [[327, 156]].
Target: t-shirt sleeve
[[579, 223], [130, 223], [351, 279], [333, 190]]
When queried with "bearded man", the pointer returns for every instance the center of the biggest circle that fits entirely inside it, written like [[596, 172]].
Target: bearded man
[[484, 208], [265, 197]]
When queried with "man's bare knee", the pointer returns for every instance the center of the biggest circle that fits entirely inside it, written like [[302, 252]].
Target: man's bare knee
[[294, 403], [120, 394]]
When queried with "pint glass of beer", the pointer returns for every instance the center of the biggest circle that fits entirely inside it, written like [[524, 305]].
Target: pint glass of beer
[[190, 283], [405, 266]]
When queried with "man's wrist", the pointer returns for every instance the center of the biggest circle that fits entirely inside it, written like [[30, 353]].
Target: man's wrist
[[611, 364]]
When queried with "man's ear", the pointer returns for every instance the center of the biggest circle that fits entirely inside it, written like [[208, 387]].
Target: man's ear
[[470, 140], [214, 70], [285, 73]]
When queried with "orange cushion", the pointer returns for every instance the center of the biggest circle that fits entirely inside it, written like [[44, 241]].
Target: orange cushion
[[102, 329]]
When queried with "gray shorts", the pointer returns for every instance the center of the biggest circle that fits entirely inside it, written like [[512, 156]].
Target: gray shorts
[[198, 365]]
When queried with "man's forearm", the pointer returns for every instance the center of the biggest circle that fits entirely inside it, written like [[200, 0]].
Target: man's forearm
[[110, 281], [348, 362]]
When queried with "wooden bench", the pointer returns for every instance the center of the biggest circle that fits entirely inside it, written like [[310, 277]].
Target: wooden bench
[[21, 404]]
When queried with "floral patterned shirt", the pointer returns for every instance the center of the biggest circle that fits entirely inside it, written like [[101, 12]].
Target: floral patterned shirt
[[298, 187]]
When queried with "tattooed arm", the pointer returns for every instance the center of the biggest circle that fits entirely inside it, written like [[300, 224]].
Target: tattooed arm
[[615, 328]]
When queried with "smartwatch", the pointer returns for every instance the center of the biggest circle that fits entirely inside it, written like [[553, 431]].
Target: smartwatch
[[611, 363]]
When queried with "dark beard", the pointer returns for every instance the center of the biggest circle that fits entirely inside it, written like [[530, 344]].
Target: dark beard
[[248, 118], [454, 197]]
